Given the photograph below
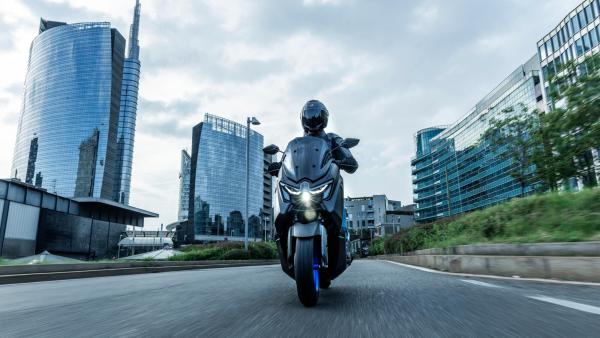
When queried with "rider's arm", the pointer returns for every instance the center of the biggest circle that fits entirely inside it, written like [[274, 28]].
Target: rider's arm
[[342, 155]]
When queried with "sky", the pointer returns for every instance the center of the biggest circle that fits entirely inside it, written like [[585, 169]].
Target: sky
[[384, 69]]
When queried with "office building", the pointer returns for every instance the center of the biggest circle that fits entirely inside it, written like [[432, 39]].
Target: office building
[[453, 172], [369, 211], [76, 129], [184, 186], [217, 197], [574, 38]]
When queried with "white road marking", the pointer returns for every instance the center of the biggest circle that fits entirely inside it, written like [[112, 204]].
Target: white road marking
[[492, 276], [476, 282], [569, 304]]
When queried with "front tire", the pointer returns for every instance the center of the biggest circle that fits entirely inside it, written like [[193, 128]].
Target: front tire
[[306, 271]]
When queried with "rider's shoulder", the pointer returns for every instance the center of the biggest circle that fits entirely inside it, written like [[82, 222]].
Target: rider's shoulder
[[335, 137]]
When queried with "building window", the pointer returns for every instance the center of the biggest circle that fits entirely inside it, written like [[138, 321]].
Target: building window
[[555, 42], [578, 47], [589, 14], [575, 24], [582, 19], [587, 45], [594, 37]]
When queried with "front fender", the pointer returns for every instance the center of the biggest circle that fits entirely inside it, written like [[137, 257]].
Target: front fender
[[305, 230]]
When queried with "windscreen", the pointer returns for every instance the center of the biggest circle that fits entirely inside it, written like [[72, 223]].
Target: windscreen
[[306, 158]]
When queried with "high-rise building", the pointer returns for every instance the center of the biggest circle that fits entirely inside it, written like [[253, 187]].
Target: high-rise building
[[184, 186], [574, 38], [217, 197], [128, 110], [453, 172], [75, 133]]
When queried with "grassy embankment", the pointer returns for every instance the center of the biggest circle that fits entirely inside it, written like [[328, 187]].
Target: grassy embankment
[[550, 217], [227, 250]]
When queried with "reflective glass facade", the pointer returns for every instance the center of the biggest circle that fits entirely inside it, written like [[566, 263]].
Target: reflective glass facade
[[184, 186], [218, 180], [75, 133], [453, 172], [69, 98], [577, 35], [574, 38], [128, 111]]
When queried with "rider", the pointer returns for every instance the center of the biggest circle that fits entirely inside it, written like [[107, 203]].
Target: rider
[[314, 117]]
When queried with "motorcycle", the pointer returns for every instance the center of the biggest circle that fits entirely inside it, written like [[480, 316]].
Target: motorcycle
[[311, 235]]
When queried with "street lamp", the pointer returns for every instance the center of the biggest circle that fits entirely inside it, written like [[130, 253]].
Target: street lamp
[[249, 121]]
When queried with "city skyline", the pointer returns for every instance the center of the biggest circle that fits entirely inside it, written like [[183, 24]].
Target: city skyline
[[232, 74]]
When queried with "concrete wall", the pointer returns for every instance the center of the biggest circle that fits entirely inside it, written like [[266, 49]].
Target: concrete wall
[[78, 236]]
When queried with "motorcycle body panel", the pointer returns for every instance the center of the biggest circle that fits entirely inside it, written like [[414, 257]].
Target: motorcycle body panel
[[308, 164]]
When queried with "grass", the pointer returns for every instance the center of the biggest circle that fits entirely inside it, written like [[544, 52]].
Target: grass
[[227, 251], [550, 217]]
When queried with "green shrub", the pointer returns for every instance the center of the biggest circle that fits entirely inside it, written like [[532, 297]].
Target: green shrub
[[376, 246], [227, 250], [236, 254], [550, 217]]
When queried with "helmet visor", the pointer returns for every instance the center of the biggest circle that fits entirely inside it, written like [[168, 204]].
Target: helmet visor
[[312, 118]]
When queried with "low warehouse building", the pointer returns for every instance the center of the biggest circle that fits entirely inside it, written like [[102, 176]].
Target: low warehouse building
[[33, 220]]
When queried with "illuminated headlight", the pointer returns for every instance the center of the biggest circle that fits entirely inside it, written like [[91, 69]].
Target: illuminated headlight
[[306, 193], [306, 197]]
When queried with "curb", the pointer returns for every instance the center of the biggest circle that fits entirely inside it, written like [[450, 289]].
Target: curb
[[28, 277], [579, 269], [585, 249]]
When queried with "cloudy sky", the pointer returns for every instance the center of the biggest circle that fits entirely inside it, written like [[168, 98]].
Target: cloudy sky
[[385, 69]]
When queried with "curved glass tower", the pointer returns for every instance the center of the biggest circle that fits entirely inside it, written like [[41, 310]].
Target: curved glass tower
[[128, 111], [217, 194], [75, 133]]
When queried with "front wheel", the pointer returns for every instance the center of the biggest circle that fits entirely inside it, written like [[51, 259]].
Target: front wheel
[[306, 270]]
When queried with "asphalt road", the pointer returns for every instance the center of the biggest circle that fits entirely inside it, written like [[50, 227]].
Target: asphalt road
[[371, 299]]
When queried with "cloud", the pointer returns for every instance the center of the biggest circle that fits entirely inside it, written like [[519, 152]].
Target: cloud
[[385, 69]]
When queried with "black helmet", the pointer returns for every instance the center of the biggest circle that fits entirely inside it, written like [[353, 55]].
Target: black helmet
[[314, 116]]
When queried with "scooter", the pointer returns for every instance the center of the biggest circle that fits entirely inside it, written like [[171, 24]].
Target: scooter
[[311, 235]]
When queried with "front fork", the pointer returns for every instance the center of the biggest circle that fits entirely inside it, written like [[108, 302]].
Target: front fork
[[320, 237]]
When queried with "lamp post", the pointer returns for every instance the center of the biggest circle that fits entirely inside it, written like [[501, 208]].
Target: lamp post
[[249, 121]]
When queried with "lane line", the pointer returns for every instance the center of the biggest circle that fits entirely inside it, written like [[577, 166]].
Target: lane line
[[569, 304], [476, 282], [541, 280]]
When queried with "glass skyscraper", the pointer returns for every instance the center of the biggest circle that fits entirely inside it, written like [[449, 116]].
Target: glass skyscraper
[[184, 186], [217, 194], [453, 172], [75, 133]]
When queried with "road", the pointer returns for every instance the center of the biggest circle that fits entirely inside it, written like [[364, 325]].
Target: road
[[371, 299]]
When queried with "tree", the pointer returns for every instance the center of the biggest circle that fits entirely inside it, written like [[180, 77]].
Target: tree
[[509, 137], [573, 125]]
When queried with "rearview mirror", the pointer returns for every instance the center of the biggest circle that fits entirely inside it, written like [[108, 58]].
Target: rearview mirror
[[350, 142], [273, 168], [271, 150]]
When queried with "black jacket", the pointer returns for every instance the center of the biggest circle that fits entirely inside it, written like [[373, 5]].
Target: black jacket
[[341, 155]]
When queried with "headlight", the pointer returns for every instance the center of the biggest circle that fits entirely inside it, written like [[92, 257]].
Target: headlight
[[291, 190], [320, 189], [305, 192]]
